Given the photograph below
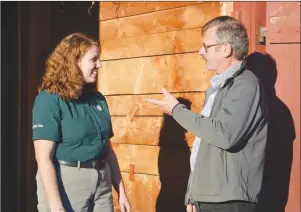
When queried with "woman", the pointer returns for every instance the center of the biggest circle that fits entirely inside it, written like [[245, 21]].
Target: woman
[[71, 131]]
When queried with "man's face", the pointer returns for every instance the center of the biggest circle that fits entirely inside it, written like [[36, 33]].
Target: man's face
[[211, 50]]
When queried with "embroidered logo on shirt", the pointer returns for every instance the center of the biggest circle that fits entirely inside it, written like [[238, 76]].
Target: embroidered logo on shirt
[[98, 107], [37, 125]]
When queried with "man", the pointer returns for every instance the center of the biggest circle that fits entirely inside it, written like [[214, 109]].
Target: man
[[227, 157]]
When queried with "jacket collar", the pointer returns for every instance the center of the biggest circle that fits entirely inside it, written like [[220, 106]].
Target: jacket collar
[[242, 68]]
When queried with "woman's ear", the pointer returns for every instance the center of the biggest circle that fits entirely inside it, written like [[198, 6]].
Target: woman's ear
[[78, 62]]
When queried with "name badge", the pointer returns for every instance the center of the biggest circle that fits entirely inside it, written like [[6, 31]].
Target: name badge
[[98, 107]]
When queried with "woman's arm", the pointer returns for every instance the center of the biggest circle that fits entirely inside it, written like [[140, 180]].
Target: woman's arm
[[44, 150], [117, 180]]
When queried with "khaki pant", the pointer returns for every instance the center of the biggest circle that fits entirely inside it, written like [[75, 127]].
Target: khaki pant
[[81, 190]]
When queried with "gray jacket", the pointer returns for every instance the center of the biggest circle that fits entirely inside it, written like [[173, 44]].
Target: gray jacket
[[230, 161]]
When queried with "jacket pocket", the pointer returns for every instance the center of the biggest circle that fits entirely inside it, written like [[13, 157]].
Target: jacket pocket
[[211, 176]]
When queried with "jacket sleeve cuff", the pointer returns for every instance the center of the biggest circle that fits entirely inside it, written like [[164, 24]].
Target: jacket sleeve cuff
[[177, 108]]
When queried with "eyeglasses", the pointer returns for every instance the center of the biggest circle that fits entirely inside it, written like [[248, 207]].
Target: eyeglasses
[[206, 47]]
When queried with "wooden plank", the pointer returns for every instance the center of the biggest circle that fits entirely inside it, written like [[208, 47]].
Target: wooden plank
[[142, 192], [294, 106], [152, 159], [287, 58], [112, 10], [139, 156], [134, 105], [148, 193], [283, 22], [178, 73], [188, 40], [288, 8], [253, 15], [163, 21], [150, 131]]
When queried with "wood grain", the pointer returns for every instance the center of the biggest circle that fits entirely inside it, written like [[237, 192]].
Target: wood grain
[[283, 22], [128, 104], [148, 192], [150, 159], [177, 73], [146, 46], [150, 131], [113, 10], [164, 21], [137, 155], [188, 40]]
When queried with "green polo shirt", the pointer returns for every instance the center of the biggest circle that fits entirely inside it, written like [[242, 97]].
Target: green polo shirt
[[80, 127]]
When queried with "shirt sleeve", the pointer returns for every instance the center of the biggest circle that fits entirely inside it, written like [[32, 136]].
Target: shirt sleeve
[[46, 119]]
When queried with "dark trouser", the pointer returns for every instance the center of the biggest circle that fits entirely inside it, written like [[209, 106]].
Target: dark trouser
[[233, 206]]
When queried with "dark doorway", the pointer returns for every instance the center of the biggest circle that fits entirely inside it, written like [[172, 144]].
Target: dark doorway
[[29, 32]]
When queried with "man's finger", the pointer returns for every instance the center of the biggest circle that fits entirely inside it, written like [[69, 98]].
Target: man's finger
[[156, 102], [166, 93], [189, 208]]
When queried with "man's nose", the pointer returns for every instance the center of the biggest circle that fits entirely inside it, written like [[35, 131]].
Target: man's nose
[[202, 51]]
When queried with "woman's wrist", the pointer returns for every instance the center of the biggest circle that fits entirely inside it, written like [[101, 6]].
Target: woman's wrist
[[121, 191], [57, 207]]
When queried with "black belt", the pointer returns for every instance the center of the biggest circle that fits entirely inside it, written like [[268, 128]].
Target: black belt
[[93, 164]]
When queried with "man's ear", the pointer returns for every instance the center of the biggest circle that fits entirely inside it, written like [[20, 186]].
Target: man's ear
[[227, 50]]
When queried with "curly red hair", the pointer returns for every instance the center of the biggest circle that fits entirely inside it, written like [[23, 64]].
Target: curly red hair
[[62, 75]]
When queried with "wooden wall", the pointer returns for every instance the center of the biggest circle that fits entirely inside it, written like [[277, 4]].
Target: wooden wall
[[283, 45], [277, 63], [145, 46]]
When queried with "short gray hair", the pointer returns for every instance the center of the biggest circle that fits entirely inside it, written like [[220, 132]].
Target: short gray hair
[[230, 30]]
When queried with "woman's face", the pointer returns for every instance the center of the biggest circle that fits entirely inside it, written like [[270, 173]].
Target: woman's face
[[89, 64]]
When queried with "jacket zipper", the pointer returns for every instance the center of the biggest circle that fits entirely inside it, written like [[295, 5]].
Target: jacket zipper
[[190, 200]]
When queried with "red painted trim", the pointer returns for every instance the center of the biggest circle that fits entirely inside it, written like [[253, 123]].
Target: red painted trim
[[252, 15]]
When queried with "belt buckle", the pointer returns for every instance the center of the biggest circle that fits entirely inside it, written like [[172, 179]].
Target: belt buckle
[[94, 164]]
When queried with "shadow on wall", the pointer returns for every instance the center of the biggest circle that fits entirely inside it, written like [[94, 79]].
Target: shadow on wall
[[281, 134], [173, 165]]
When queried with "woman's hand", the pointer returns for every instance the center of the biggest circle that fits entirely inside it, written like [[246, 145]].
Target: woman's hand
[[117, 180], [124, 203], [57, 209]]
